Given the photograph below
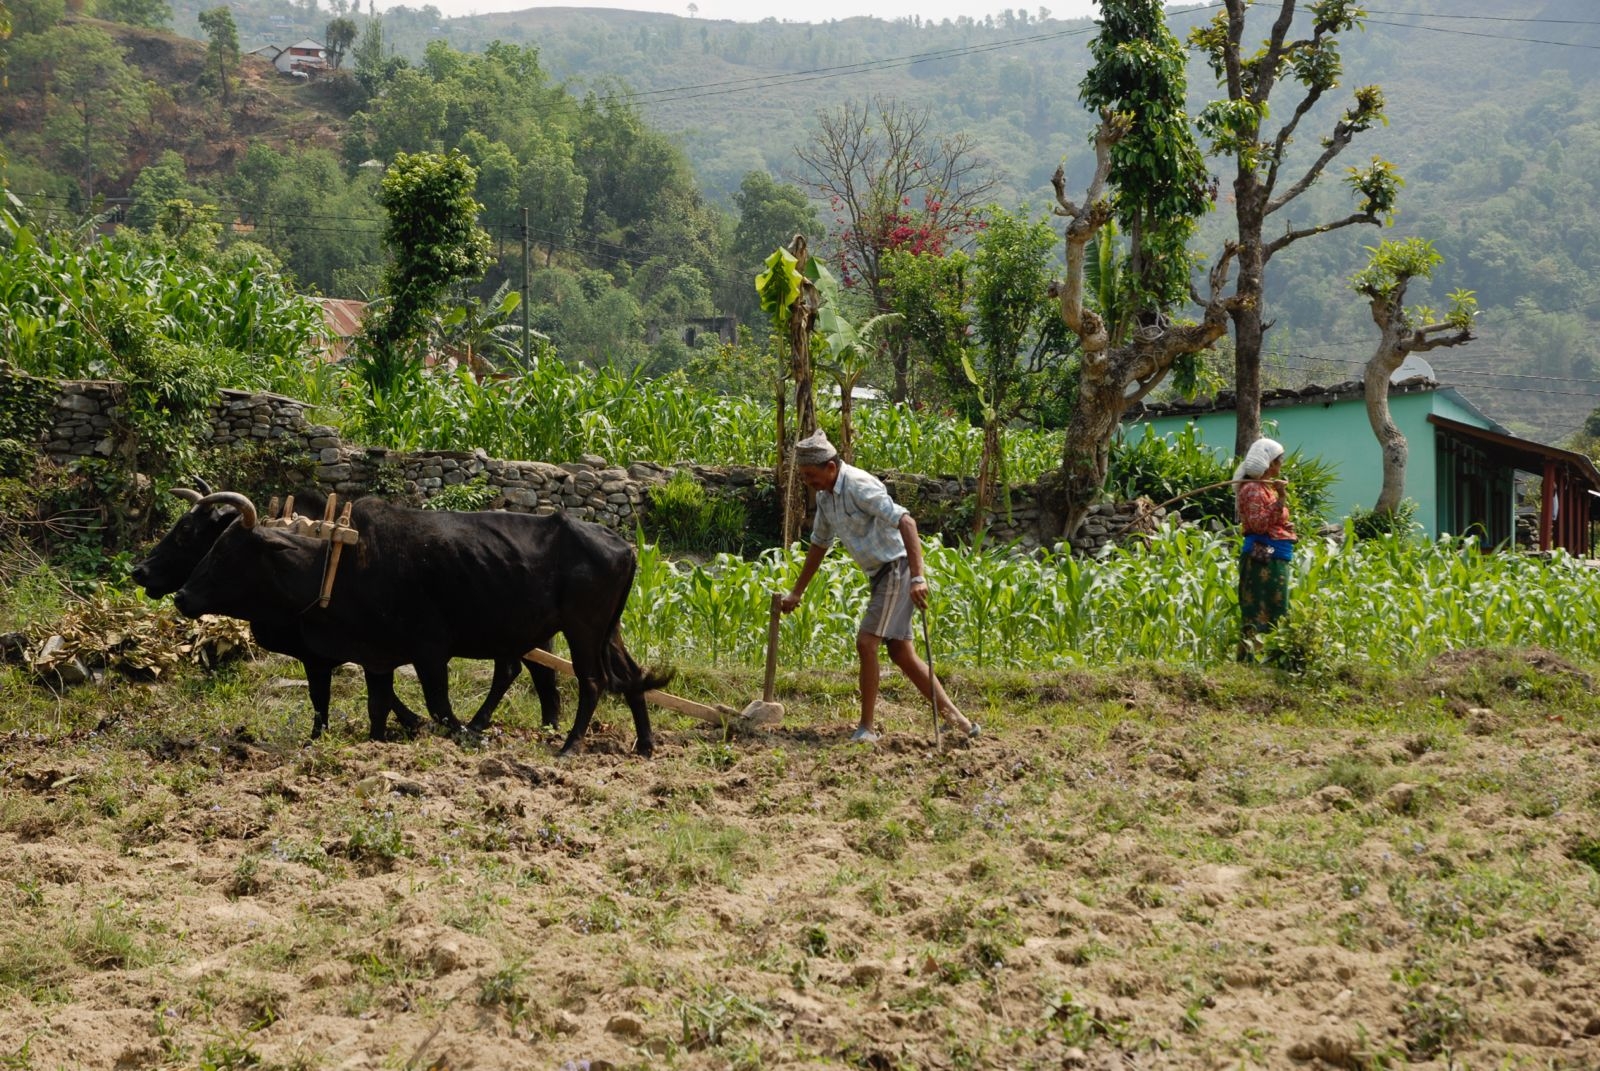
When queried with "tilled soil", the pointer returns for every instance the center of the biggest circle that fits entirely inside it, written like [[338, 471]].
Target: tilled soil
[[1136, 878]]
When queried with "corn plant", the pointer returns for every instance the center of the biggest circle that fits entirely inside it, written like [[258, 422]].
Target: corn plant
[[1389, 602]]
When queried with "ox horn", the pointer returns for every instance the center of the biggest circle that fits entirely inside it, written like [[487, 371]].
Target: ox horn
[[205, 488], [188, 494], [246, 508]]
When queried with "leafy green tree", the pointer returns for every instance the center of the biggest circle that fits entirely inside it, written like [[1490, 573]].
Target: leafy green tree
[[376, 64], [770, 215], [588, 318], [165, 180], [338, 37], [1024, 348], [1144, 79], [288, 198], [223, 51], [498, 182], [154, 14], [435, 242], [1402, 331], [554, 193], [91, 100], [36, 16], [1262, 188], [988, 324], [1157, 173]]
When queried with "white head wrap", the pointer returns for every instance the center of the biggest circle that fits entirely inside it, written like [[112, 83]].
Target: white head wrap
[[815, 449], [1262, 453]]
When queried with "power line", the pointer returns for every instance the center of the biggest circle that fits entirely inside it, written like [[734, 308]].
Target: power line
[[1488, 18], [1514, 390], [1475, 33]]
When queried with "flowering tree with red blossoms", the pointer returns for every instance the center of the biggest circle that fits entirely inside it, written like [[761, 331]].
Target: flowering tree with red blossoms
[[892, 185]]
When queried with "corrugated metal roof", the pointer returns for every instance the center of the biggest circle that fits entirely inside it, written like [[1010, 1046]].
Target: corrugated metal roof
[[342, 317]]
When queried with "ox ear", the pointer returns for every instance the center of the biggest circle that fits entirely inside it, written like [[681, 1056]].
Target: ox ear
[[246, 508]]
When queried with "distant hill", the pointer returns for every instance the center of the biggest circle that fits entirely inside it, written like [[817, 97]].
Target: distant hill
[[1495, 124]]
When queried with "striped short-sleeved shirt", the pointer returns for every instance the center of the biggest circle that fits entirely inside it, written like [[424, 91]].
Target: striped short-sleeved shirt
[[860, 513]]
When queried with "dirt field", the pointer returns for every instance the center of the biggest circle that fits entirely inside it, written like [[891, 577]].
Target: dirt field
[[1143, 869]]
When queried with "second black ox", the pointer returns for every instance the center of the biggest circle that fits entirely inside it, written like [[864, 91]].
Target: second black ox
[[422, 587]]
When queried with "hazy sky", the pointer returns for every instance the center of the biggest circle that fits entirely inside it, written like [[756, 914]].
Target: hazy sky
[[808, 11]]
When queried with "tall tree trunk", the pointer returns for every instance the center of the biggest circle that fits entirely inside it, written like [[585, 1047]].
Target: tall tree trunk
[[1086, 458], [797, 499], [1391, 441], [900, 355], [1248, 326], [847, 430]]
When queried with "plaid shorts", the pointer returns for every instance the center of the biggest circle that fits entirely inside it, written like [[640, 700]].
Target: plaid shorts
[[889, 613]]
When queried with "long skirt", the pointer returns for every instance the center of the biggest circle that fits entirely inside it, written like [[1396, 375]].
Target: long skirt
[[1263, 598]]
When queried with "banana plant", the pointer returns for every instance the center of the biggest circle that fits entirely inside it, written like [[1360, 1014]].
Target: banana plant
[[851, 349], [481, 331]]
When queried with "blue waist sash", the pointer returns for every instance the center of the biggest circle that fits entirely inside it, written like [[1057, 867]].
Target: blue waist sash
[[1282, 549]]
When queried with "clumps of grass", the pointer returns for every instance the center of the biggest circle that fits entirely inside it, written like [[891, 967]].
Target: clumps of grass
[[1360, 777], [505, 989], [108, 942], [1586, 850], [687, 851], [713, 1015], [375, 837], [1433, 1020]]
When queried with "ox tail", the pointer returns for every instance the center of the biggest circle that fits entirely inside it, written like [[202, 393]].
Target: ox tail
[[624, 675]]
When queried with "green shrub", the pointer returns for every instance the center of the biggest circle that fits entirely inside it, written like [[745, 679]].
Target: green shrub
[[474, 494], [1369, 524], [684, 516], [1161, 467]]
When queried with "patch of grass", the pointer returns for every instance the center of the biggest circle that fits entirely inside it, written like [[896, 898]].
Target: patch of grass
[[687, 851], [506, 990], [712, 1015], [109, 941]]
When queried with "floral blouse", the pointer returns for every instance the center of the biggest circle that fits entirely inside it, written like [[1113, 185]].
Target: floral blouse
[[1264, 511]]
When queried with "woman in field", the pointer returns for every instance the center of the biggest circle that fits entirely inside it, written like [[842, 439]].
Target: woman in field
[[1263, 506]]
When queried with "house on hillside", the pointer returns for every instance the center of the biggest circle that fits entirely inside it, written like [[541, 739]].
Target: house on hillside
[[307, 58], [1462, 470]]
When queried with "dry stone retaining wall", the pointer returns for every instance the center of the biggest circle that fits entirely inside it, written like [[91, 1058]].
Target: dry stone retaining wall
[[85, 424]]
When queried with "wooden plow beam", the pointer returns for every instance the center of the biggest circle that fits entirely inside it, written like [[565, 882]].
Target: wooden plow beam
[[723, 717]]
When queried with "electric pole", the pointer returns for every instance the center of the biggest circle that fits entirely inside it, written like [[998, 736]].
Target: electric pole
[[527, 336]]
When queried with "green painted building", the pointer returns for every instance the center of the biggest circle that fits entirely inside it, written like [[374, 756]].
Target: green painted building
[[1462, 468]]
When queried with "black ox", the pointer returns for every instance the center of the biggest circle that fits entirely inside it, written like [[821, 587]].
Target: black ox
[[189, 540], [421, 587]]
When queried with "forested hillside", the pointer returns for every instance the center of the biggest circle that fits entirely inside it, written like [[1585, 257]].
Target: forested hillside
[[1493, 124]]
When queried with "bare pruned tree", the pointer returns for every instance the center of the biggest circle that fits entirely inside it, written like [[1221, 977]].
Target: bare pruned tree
[[1236, 126], [1402, 332]]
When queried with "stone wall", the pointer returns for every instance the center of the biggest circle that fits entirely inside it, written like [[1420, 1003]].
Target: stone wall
[[86, 424]]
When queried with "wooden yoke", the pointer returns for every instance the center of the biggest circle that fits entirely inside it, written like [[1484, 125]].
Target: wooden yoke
[[337, 534]]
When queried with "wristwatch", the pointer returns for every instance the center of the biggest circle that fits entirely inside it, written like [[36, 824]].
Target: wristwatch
[[918, 580]]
